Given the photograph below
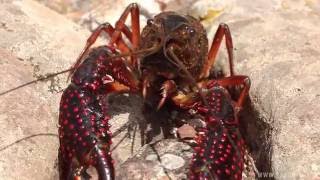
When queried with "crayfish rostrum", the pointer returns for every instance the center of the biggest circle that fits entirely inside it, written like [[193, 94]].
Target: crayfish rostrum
[[167, 62]]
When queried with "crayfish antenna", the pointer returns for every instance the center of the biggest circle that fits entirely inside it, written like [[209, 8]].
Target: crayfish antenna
[[50, 75], [27, 138], [77, 64]]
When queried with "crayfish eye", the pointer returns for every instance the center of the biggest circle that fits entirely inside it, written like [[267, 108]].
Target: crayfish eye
[[190, 30], [150, 22]]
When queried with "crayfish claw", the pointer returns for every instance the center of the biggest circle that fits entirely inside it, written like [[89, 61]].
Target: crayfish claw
[[103, 164]]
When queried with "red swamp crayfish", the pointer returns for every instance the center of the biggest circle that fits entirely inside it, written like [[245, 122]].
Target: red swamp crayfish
[[168, 62]]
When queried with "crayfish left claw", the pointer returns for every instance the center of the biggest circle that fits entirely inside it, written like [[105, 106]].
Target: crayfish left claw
[[104, 164]]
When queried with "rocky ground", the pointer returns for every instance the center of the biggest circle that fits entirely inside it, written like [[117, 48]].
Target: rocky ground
[[276, 44]]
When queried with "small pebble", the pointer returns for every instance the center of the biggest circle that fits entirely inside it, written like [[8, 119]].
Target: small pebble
[[171, 161]]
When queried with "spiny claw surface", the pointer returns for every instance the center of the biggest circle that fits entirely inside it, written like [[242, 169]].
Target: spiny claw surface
[[84, 134], [220, 150]]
